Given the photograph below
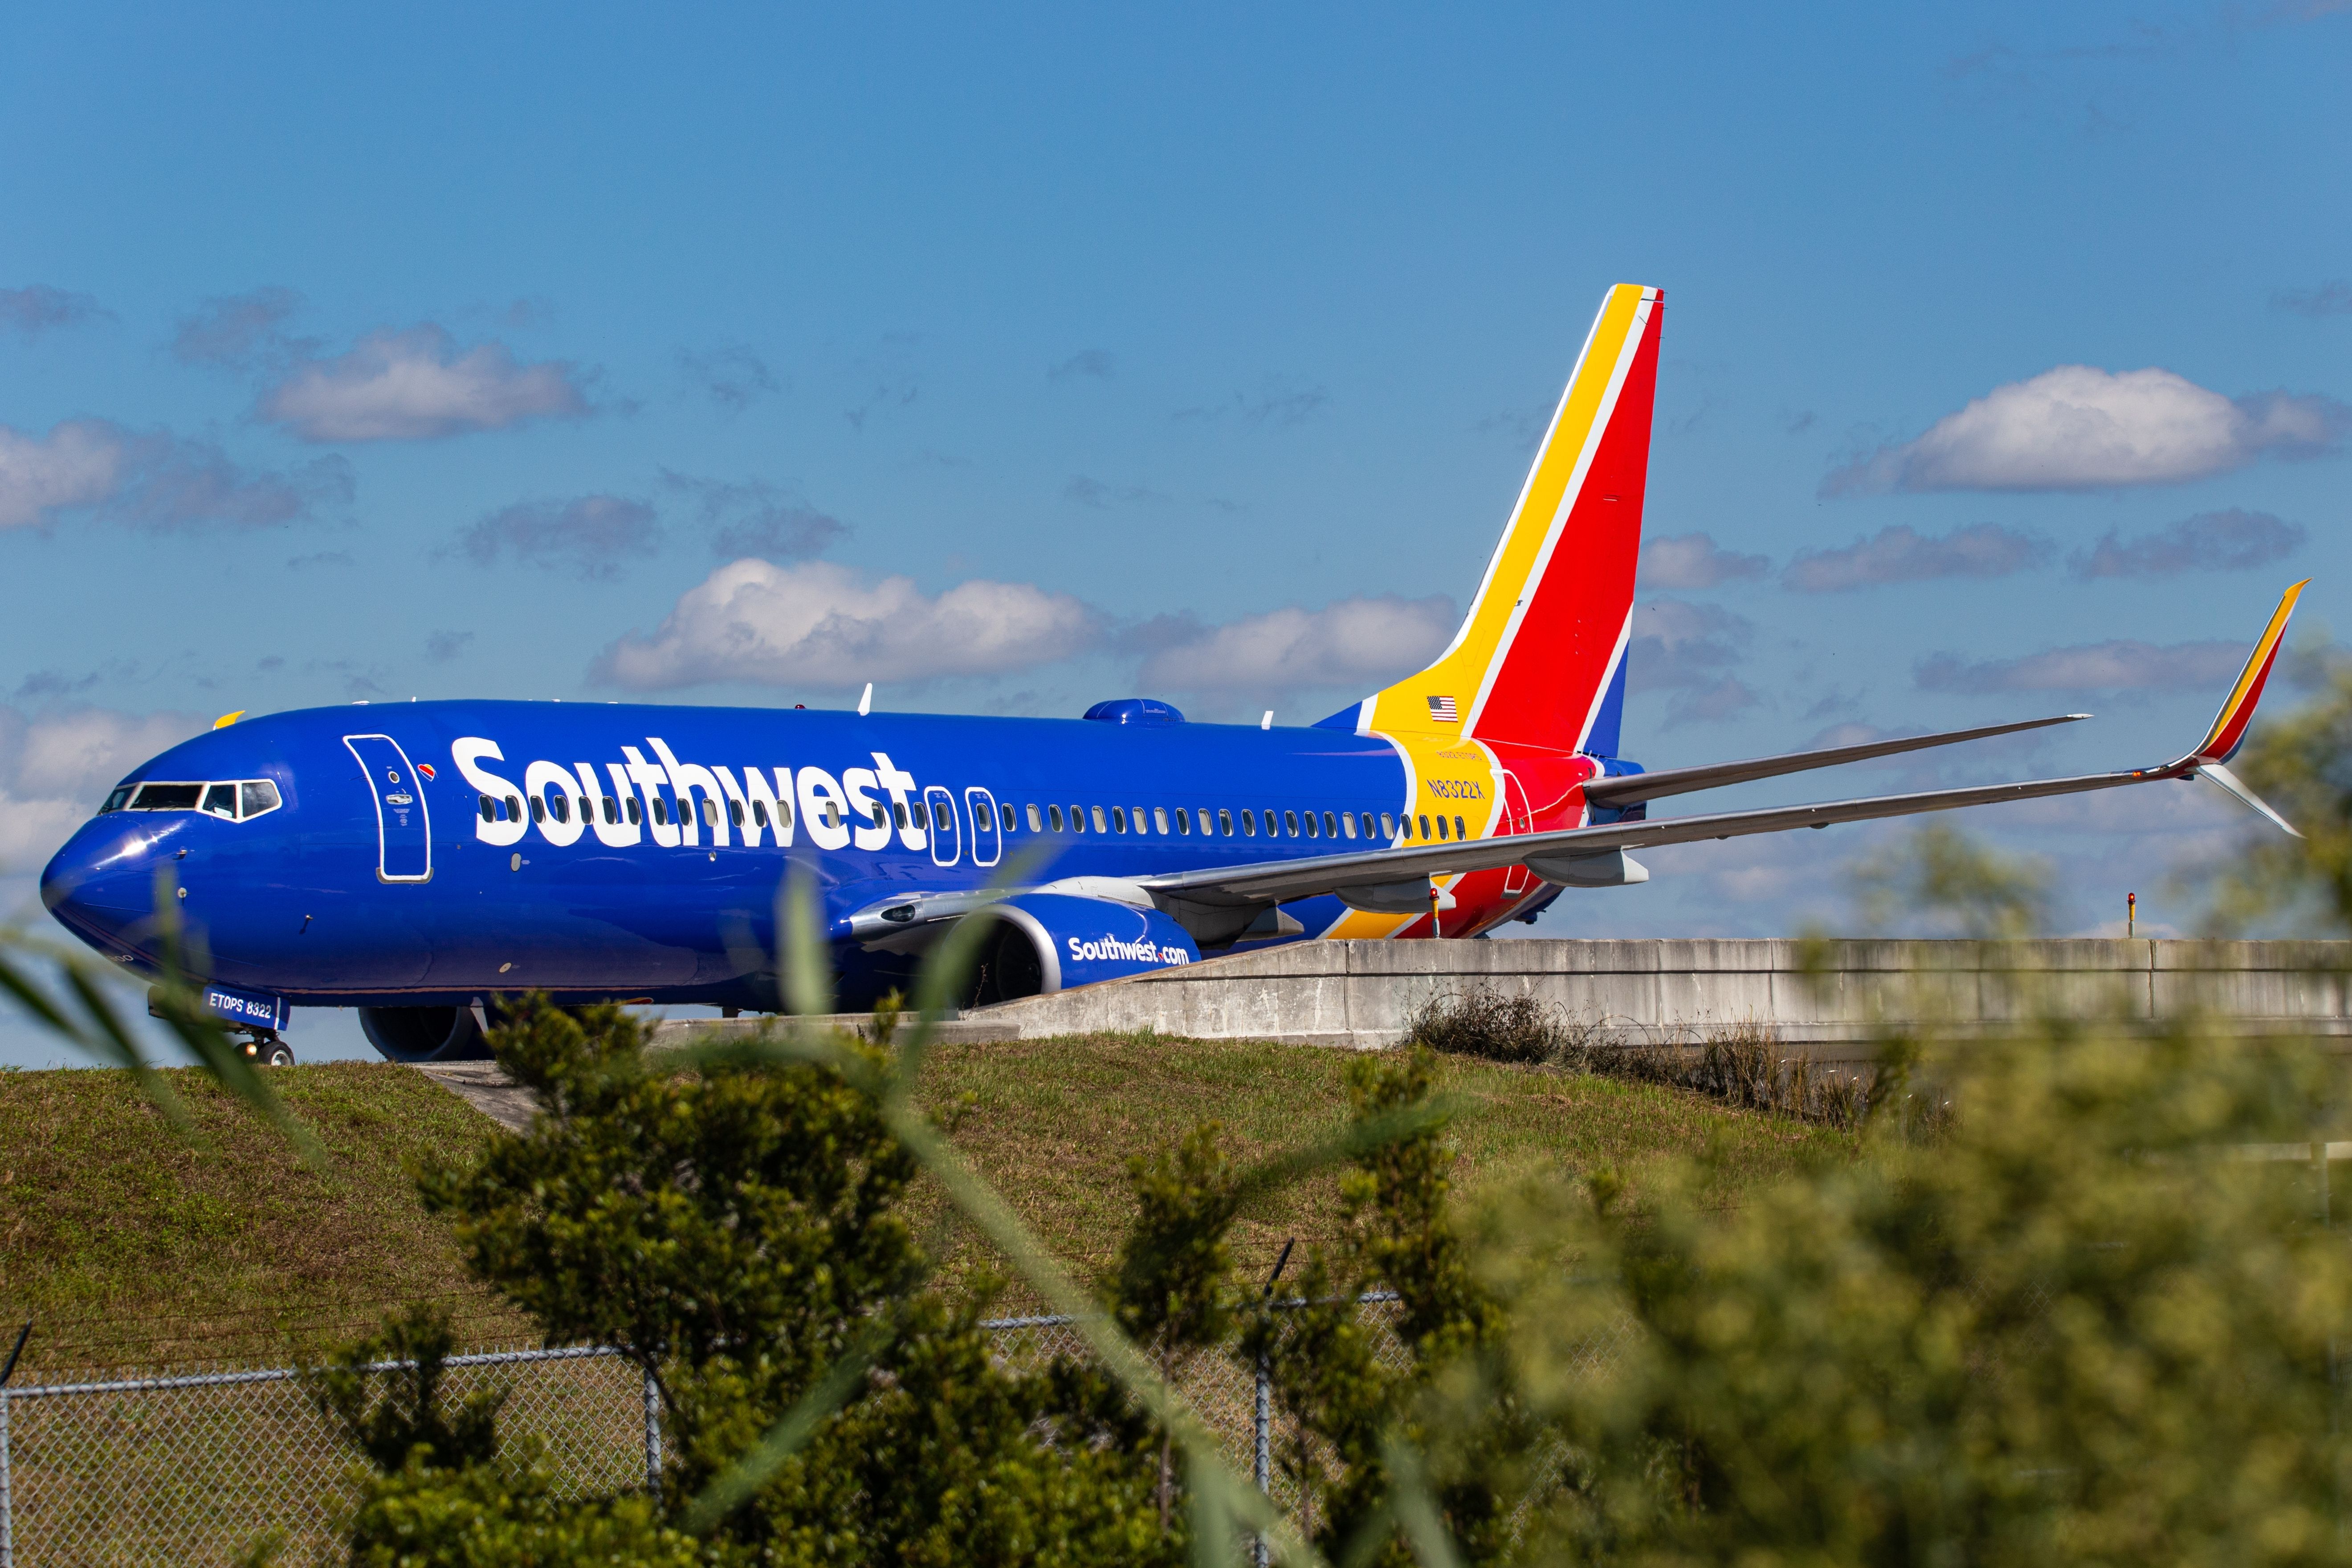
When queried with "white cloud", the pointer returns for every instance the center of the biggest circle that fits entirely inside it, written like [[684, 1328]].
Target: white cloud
[[1693, 561], [56, 768], [78, 463], [1689, 649], [153, 480], [39, 309], [2230, 541], [2078, 428], [1355, 644], [1901, 555], [589, 534], [818, 625], [2117, 666], [415, 386]]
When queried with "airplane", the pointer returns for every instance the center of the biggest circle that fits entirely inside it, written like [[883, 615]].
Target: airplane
[[418, 861]]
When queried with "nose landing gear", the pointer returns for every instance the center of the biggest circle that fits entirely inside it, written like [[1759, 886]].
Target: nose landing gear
[[268, 1049]]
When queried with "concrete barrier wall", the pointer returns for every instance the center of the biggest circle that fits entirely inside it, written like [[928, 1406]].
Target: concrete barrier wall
[[1363, 994]]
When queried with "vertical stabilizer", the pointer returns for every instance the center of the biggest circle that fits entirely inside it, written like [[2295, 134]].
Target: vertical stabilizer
[[1540, 656]]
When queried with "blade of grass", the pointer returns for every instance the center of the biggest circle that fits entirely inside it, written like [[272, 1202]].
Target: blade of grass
[[1415, 1509], [808, 976]]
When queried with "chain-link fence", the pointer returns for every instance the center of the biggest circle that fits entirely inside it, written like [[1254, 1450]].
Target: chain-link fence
[[199, 1470]]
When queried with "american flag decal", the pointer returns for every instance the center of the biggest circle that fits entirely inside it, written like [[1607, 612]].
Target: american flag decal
[[1442, 709]]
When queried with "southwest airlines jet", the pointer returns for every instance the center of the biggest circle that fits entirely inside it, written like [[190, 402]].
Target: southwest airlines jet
[[416, 861]]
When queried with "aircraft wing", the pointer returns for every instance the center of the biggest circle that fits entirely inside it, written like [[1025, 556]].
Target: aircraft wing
[[1384, 869], [1627, 789], [1282, 880]]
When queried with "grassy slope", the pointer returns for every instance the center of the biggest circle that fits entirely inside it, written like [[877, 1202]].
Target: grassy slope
[[1052, 1123], [133, 1245]]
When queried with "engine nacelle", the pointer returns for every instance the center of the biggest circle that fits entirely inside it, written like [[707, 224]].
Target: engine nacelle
[[1050, 942], [412, 1035]]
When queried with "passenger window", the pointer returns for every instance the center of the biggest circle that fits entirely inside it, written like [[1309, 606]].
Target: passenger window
[[514, 809], [1208, 823], [898, 812], [759, 813], [538, 809], [612, 809], [1249, 823], [1054, 815], [1424, 827], [1330, 826], [1388, 826], [1160, 819], [636, 812], [1078, 819], [490, 809], [220, 800], [559, 806], [1441, 827], [783, 815], [1310, 824], [1290, 821], [1224, 822], [942, 816], [1035, 823], [1005, 810], [735, 811], [1348, 821], [1099, 825], [661, 811], [832, 813], [1118, 819], [1459, 831], [1143, 819], [1183, 820]]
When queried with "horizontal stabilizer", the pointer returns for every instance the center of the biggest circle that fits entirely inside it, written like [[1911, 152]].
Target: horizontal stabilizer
[[1631, 788]]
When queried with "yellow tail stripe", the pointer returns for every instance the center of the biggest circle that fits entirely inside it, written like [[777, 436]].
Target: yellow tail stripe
[[1460, 671], [2255, 662]]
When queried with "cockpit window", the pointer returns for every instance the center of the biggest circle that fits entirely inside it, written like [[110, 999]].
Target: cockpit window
[[239, 800], [167, 797]]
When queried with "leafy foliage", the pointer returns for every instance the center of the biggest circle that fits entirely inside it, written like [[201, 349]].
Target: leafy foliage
[[2301, 765], [385, 1392], [740, 1229]]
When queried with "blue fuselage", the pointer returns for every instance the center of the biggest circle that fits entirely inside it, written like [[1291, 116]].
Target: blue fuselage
[[429, 854]]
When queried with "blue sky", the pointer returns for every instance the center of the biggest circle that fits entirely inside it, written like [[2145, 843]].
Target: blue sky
[[457, 352]]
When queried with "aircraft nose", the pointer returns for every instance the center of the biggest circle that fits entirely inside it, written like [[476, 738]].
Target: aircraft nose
[[99, 883]]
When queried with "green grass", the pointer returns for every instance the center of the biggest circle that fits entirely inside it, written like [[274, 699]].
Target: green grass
[[132, 1245], [1052, 1123]]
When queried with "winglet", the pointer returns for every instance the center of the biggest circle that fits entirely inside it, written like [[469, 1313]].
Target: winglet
[[2229, 731]]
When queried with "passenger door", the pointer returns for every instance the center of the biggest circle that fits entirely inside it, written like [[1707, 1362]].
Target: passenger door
[[986, 845], [404, 834], [1517, 818], [947, 836]]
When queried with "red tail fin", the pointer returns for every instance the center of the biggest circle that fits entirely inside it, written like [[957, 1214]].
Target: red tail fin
[[1540, 657]]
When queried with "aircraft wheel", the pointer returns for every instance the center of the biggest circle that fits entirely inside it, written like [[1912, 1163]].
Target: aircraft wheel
[[275, 1053]]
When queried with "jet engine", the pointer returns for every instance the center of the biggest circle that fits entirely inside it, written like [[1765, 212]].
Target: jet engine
[[412, 1035], [1048, 941]]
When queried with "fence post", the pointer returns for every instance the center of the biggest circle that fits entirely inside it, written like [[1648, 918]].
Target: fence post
[[1261, 1454], [8, 1499], [653, 1438]]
